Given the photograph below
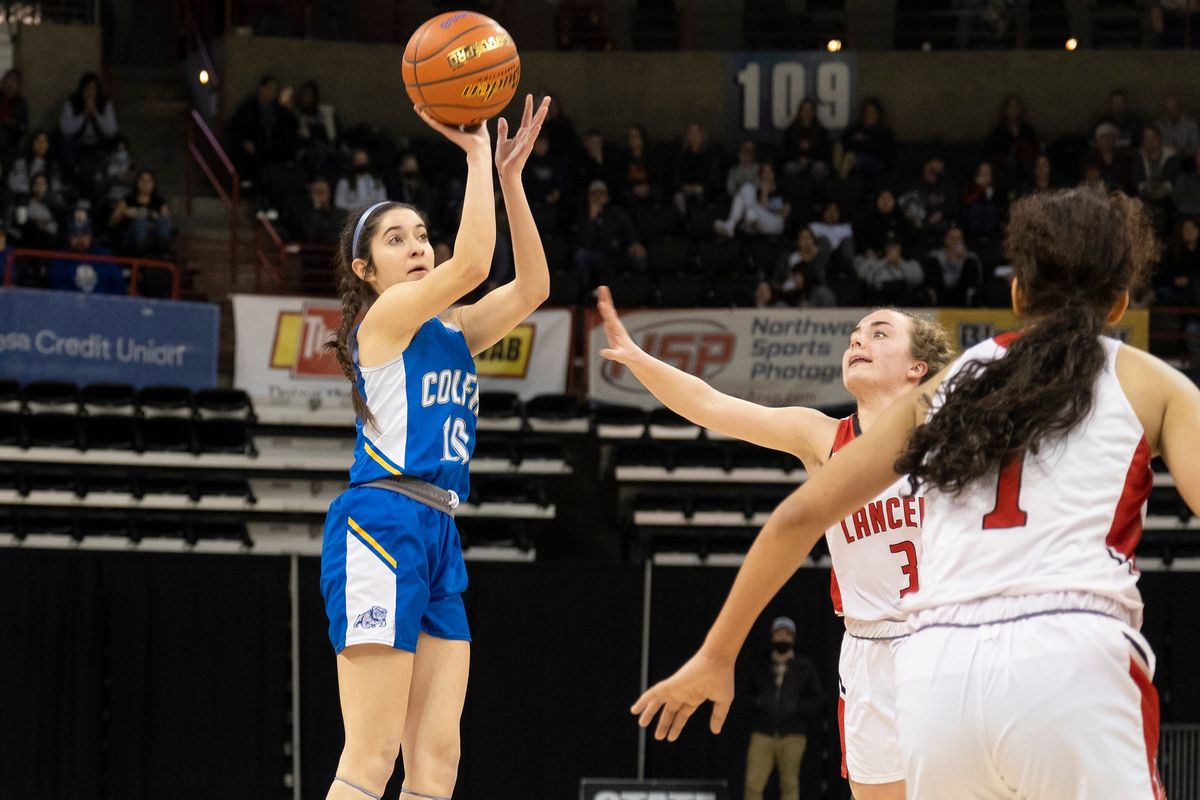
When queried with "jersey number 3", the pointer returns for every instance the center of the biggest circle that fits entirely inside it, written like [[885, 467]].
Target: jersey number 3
[[1008, 513], [910, 565], [455, 441]]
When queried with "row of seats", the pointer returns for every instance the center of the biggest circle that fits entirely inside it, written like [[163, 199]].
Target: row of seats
[[80, 523], [721, 456], [126, 433], [121, 399], [31, 480]]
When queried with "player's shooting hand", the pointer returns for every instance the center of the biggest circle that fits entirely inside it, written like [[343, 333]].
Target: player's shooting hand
[[703, 677], [472, 139], [621, 347], [511, 154]]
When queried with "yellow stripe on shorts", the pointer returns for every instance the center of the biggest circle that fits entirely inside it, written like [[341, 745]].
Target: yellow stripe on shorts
[[378, 458], [369, 539]]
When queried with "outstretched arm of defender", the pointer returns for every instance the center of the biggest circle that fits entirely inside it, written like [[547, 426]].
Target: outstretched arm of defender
[[805, 432]]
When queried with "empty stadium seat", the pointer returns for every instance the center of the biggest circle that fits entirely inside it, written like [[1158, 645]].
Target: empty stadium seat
[[666, 424], [108, 399], [656, 222], [563, 413], [492, 449], [499, 411], [109, 432], [52, 430], [49, 521], [619, 422], [223, 403], [722, 257], [115, 482], [98, 522], [52, 396], [10, 396], [643, 454], [539, 451], [165, 401], [167, 434], [52, 479], [668, 256], [223, 435], [228, 530], [221, 486], [12, 429], [701, 454]]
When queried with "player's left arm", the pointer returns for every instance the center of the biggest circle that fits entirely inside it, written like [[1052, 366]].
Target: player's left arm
[[499, 311]]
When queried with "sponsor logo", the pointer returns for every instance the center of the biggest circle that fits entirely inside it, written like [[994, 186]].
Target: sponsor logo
[[448, 22], [493, 82], [299, 341], [455, 59], [509, 357], [697, 346], [375, 617]]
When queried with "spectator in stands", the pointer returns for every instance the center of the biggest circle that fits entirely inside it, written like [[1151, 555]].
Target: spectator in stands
[[409, 185], [837, 234], [14, 114], [1114, 166], [141, 223], [559, 130], [744, 170], [81, 274], [36, 158], [317, 129], [1013, 145], [1186, 194], [806, 146], [597, 162], [1177, 282], [361, 187], [1179, 130], [758, 207], [953, 274], [637, 181], [799, 280], [811, 253], [890, 278], [694, 179], [1155, 170], [88, 120], [931, 204], [1043, 178], [868, 146], [119, 171], [545, 178], [1128, 124], [37, 215], [784, 690], [261, 132], [317, 221], [983, 205], [884, 221], [605, 237]]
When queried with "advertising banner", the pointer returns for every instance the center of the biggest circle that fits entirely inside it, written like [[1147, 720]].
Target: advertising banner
[[90, 338], [970, 326]]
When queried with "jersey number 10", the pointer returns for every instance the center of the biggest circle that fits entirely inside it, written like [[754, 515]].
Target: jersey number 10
[[455, 441]]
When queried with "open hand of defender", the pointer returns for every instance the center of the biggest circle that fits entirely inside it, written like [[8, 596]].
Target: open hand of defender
[[511, 154], [703, 677], [620, 347]]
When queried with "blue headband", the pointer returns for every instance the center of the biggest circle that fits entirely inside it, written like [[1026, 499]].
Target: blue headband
[[358, 228]]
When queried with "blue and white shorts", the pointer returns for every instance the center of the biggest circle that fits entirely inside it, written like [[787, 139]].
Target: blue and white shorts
[[390, 568]]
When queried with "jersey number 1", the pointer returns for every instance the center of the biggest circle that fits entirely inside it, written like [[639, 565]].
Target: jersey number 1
[[1008, 513]]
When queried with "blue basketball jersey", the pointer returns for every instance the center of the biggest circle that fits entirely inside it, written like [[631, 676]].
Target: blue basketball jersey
[[425, 402]]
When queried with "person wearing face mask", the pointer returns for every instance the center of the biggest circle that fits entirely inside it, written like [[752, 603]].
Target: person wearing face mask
[[361, 187], [785, 690]]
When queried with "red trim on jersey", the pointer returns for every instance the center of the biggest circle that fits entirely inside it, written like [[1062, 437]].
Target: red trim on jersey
[[835, 591], [1149, 697], [842, 733], [847, 429], [1007, 338], [1126, 530]]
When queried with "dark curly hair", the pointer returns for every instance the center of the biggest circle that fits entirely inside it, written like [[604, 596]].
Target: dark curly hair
[[1073, 252]]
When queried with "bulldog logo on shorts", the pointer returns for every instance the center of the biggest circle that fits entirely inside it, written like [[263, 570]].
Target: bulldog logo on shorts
[[376, 617]]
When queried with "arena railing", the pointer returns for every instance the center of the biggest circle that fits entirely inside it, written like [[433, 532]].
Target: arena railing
[[208, 154], [290, 267], [136, 265]]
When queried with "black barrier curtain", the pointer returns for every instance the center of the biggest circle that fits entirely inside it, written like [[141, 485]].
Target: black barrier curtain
[[555, 662], [143, 676]]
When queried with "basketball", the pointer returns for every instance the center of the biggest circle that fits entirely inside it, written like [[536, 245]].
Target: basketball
[[461, 68]]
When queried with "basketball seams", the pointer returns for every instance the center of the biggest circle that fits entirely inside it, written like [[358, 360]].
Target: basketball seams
[[448, 44], [459, 76], [417, 49], [497, 79]]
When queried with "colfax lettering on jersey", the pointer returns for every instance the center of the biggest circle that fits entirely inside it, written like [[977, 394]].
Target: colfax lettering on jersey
[[450, 386], [885, 515]]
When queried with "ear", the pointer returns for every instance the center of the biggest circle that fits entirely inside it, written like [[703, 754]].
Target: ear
[[918, 370], [1018, 301], [359, 265], [1119, 307]]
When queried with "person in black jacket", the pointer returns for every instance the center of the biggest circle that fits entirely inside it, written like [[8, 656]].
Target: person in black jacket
[[785, 690]]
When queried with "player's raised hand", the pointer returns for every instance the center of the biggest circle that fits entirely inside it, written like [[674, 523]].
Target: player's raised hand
[[702, 678], [511, 154], [469, 139], [621, 347]]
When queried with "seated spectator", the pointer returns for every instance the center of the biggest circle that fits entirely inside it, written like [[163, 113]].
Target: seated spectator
[[1013, 145], [1179, 130], [745, 170], [890, 278], [1155, 170], [361, 187], [545, 176], [1177, 282], [35, 158], [884, 221], [799, 290], [694, 177], [805, 269], [141, 223], [811, 253], [37, 215], [1128, 125], [983, 205], [317, 221], [839, 235], [261, 132], [605, 237], [81, 274], [638, 181], [410, 186], [868, 146], [597, 162], [119, 175], [88, 120], [758, 207], [1113, 165], [559, 130], [1043, 178], [317, 129], [931, 204], [806, 146], [14, 114], [953, 274], [1186, 193]]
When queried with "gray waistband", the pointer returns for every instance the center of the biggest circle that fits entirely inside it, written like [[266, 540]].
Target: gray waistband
[[437, 498]]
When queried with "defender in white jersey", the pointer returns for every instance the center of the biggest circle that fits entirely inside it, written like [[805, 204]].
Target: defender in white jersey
[[1025, 676], [875, 550], [392, 570]]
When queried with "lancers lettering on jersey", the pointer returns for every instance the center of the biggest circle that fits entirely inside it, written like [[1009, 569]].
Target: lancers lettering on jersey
[[884, 515], [450, 386]]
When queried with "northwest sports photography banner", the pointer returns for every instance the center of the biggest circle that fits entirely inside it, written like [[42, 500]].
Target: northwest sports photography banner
[[774, 356], [280, 361], [89, 338]]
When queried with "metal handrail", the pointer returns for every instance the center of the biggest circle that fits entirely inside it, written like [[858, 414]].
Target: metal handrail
[[136, 265], [273, 252], [230, 198]]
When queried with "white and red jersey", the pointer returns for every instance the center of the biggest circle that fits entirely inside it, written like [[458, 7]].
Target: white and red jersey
[[1066, 519], [875, 550]]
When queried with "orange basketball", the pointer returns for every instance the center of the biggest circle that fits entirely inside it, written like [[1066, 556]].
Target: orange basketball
[[461, 67]]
